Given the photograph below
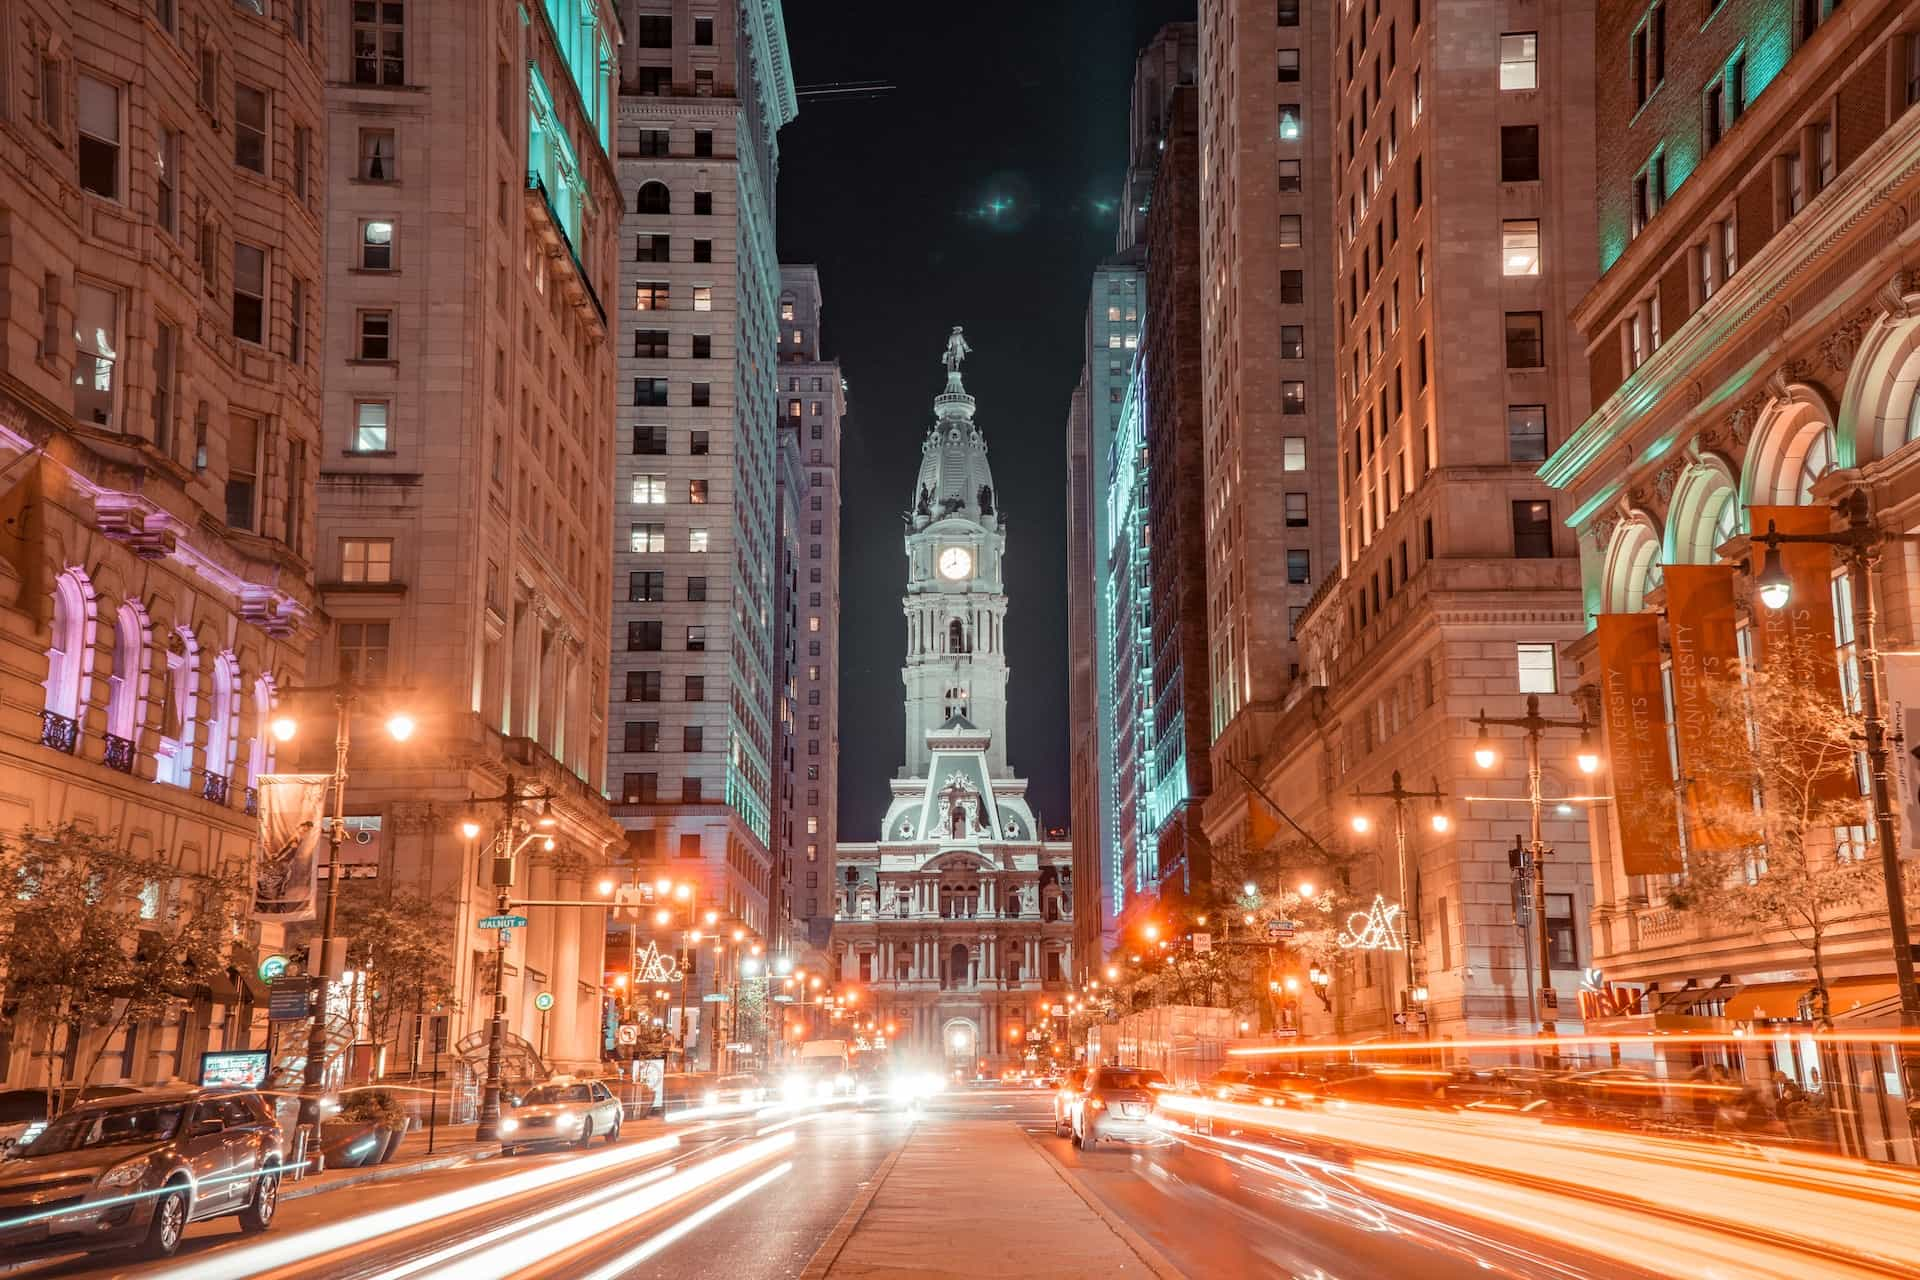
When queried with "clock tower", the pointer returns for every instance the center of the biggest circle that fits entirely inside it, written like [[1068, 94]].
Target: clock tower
[[955, 602]]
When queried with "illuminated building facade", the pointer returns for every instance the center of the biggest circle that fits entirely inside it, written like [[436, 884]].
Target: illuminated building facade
[[1752, 341], [159, 438], [704, 91], [1126, 621], [1461, 166], [959, 920], [464, 506]]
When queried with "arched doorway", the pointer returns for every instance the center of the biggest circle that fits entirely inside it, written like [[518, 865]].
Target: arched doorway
[[960, 1040]]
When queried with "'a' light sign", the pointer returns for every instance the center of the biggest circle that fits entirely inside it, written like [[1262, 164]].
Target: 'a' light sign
[[1375, 929]]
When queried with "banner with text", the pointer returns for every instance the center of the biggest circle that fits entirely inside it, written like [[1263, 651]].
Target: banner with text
[[1707, 720], [286, 861], [1632, 709], [1798, 639], [1903, 724]]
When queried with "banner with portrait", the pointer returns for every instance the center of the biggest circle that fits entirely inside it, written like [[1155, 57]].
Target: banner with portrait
[[286, 861], [1633, 710]]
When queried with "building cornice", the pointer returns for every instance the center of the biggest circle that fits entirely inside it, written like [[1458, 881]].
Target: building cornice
[[768, 30], [1752, 296]]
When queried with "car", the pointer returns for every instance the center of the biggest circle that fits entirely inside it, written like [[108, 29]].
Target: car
[[562, 1110], [23, 1112], [1118, 1103], [136, 1169], [1065, 1096]]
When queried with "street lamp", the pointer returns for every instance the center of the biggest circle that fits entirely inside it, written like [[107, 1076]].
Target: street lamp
[[285, 727], [1409, 892], [1535, 726], [1251, 889], [1859, 546]]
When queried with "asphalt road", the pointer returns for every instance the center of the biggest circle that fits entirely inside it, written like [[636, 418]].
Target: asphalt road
[[755, 1196]]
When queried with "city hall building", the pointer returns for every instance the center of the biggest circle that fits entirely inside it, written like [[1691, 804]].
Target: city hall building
[[957, 924]]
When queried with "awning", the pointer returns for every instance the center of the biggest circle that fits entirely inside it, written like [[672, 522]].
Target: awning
[[1780, 1001]]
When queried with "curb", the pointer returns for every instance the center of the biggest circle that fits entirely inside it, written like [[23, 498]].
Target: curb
[[830, 1249], [296, 1189], [1156, 1261]]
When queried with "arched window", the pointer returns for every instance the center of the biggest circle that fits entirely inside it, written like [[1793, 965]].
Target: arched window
[[957, 823], [223, 719], [957, 964], [957, 637], [1632, 568], [1913, 416], [175, 756], [653, 197], [127, 687], [260, 750], [1814, 463], [69, 660]]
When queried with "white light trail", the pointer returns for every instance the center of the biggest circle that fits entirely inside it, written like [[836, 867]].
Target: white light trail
[[510, 1257], [305, 1246], [691, 1222]]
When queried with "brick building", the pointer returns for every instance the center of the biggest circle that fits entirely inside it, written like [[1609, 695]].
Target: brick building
[[1461, 191], [1752, 341], [160, 407]]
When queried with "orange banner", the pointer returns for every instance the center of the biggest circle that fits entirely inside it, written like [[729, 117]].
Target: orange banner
[[1798, 639], [1702, 637], [1632, 709]]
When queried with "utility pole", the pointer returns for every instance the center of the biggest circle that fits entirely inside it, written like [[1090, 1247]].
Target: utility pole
[[510, 801], [314, 1074], [1411, 994], [1535, 726]]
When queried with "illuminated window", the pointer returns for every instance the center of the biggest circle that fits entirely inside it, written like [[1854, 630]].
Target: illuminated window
[[1539, 672], [366, 560], [1519, 60], [649, 489], [1520, 247], [376, 246], [702, 298], [370, 433], [1290, 122]]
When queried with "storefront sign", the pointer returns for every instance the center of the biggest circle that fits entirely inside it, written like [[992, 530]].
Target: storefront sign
[[1632, 703], [1375, 929]]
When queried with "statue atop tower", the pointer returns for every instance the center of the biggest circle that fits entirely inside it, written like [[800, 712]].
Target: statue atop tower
[[957, 350]]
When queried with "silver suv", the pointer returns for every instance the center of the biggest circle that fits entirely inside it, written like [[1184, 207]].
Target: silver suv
[[135, 1170], [1118, 1103]]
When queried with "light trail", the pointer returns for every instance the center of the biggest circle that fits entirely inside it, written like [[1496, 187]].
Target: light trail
[[304, 1246], [690, 1223], [1710, 1195], [414, 1265], [1500, 1043], [585, 1227]]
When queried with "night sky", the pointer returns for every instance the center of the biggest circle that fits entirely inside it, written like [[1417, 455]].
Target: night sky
[[1023, 102]]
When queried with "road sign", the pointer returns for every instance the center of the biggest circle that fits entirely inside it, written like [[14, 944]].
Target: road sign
[[1202, 942], [543, 1001], [503, 922], [272, 967], [627, 1034], [289, 999], [1280, 928], [714, 997]]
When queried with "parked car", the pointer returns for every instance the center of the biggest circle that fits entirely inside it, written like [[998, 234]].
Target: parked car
[[136, 1169], [562, 1110], [1065, 1098], [1400, 1086], [1118, 1103], [23, 1112]]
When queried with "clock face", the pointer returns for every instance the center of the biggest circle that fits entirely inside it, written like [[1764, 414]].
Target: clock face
[[956, 563]]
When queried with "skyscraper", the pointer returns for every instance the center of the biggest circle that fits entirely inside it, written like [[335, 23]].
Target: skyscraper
[[813, 398], [693, 742], [464, 503]]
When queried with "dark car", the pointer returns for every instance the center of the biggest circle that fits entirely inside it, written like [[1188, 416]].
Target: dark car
[[135, 1170], [23, 1112], [1399, 1086]]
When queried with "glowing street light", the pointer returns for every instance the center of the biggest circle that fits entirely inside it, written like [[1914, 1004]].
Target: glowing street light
[[1442, 823], [1305, 889], [1483, 752], [1250, 889], [1362, 823]]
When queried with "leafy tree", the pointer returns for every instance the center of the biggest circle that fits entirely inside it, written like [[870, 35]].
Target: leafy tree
[[95, 939], [399, 938], [1791, 854]]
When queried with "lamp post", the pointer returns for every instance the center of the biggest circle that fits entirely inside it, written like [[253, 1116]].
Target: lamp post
[[510, 799], [1409, 893], [400, 726], [1859, 545], [1535, 726]]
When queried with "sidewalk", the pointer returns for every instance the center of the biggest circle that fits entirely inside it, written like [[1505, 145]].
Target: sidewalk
[[971, 1198], [452, 1145]]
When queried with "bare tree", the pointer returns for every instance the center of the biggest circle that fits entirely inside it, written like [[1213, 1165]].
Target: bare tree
[[1788, 851], [95, 939], [399, 939]]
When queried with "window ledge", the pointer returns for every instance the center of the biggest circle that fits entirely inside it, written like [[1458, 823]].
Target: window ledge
[[363, 588], [369, 453], [373, 364]]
